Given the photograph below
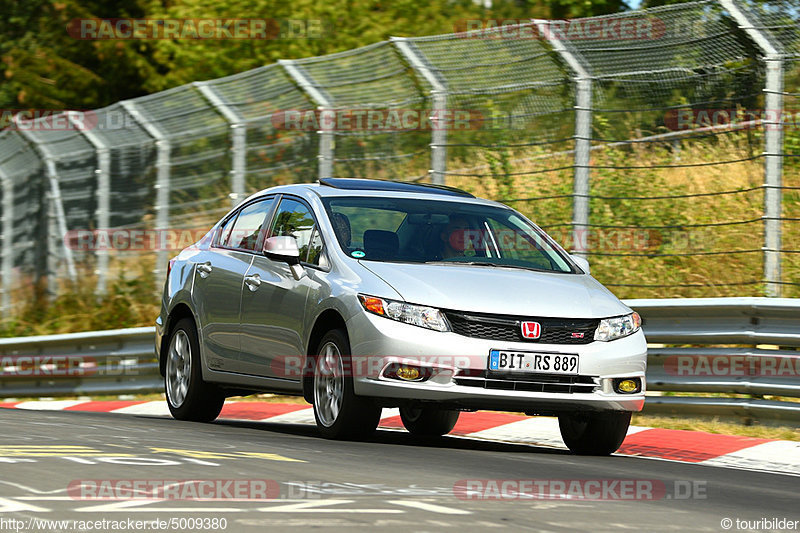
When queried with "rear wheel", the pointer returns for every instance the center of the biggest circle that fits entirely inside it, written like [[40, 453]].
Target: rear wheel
[[428, 422], [595, 433], [188, 396], [339, 413]]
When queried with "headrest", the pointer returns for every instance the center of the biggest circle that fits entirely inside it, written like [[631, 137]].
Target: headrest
[[380, 244], [341, 226]]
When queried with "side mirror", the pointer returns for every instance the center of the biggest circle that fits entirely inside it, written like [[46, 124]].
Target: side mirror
[[285, 249], [282, 249], [581, 262]]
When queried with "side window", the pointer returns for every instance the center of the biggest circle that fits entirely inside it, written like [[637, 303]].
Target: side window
[[247, 227], [225, 230], [293, 219]]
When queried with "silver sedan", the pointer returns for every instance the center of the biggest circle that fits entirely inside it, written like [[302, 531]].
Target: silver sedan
[[364, 294]]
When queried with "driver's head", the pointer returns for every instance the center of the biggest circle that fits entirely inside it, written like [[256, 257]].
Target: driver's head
[[341, 226], [455, 236]]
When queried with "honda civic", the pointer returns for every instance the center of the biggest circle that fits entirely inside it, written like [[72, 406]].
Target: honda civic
[[363, 294]]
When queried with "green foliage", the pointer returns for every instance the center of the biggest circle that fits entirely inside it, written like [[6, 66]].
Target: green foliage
[[44, 67], [129, 302]]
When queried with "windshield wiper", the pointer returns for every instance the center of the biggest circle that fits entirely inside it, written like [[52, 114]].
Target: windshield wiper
[[532, 269], [487, 263], [475, 263]]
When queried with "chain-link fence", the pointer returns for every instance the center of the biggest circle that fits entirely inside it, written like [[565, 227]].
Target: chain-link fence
[[661, 143]]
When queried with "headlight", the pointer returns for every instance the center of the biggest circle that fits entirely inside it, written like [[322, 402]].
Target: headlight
[[418, 315], [616, 328]]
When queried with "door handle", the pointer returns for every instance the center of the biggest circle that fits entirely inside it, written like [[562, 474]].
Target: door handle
[[204, 269], [253, 282]]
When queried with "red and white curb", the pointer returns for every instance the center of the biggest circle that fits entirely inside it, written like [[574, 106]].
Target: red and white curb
[[684, 446]]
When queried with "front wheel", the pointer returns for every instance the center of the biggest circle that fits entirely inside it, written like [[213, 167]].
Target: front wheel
[[595, 433], [339, 413], [428, 422], [188, 396]]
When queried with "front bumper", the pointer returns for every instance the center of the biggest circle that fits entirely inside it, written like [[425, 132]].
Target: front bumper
[[377, 342]]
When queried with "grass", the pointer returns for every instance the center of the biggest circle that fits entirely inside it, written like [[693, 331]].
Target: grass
[[714, 425], [130, 301], [662, 231]]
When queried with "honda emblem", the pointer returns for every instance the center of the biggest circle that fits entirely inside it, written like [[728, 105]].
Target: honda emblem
[[531, 330]]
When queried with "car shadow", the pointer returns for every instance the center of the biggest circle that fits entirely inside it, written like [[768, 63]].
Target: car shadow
[[398, 438], [383, 436]]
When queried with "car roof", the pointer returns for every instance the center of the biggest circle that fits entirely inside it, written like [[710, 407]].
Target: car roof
[[333, 187], [361, 184]]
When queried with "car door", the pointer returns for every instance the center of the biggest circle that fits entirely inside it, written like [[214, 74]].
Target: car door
[[273, 302], [218, 281]]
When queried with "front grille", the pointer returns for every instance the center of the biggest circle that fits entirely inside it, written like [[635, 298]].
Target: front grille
[[508, 328], [548, 383]]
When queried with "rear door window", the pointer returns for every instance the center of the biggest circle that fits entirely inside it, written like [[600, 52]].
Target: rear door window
[[246, 230]]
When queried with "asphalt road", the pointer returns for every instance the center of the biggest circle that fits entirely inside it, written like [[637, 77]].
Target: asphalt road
[[393, 481]]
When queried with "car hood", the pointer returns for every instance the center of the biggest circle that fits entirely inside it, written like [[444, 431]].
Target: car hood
[[506, 291]]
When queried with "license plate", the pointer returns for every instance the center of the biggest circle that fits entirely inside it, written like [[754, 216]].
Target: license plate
[[537, 363]]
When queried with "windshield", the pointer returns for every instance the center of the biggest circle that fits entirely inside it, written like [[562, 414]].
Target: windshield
[[435, 231]]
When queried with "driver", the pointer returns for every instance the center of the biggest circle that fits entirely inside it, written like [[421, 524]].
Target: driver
[[455, 237]]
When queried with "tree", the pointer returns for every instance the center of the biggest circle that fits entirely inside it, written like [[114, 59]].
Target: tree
[[45, 68]]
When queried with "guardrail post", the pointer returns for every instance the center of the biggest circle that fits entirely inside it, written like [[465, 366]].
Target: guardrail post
[[326, 143], [7, 243], [439, 96], [582, 136], [103, 212], [162, 186], [238, 140], [773, 144]]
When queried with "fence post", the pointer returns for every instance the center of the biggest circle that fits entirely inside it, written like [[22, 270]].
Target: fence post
[[56, 218], [162, 186], [326, 145], [59, 218], [103, 194], [773, 168], [773, 145], [439, 96], [582, 136], [238, 140], [7, 239]]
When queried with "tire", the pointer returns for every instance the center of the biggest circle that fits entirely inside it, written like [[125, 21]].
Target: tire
[[339, 413], [188, 396], [428, 422], [596, 433]]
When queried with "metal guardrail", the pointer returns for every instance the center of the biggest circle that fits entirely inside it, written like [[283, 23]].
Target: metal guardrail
[[93, 363], [723, 346], [716, 347]]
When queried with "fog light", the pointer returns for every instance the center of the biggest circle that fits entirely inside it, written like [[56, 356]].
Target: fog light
[[408, 373], [628, 385]]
